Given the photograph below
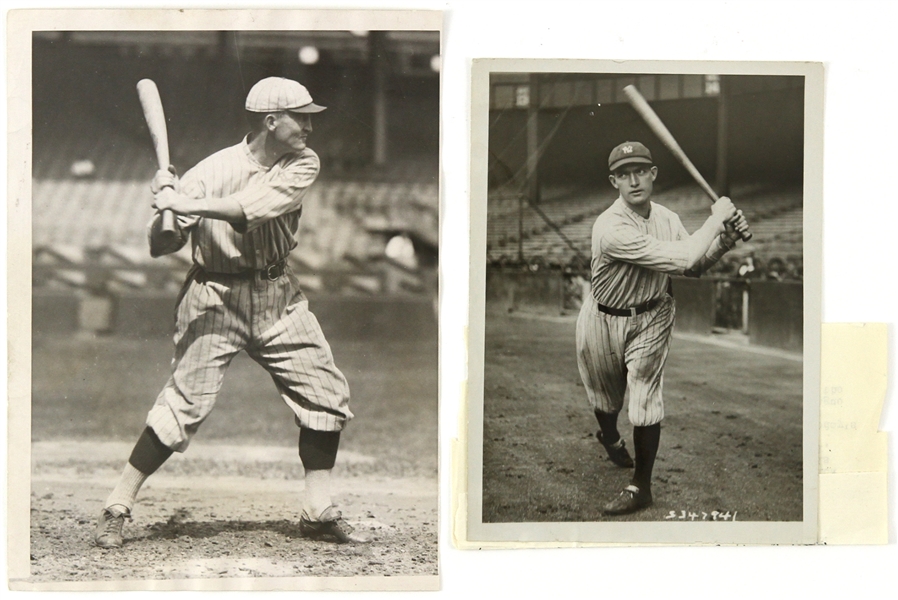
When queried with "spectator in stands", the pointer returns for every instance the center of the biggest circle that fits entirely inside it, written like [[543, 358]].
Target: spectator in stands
[[795, 269], [728, 266], [747, 268], [776, 269]]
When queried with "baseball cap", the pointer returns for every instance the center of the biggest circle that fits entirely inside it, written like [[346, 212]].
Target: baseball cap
[[629, 152], [274, 94]]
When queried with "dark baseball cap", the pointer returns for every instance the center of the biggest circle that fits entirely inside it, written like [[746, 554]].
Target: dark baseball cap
[[627, 153]]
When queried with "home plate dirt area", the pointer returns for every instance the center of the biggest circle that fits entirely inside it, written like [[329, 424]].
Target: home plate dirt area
[[229, 507], [731, 440]]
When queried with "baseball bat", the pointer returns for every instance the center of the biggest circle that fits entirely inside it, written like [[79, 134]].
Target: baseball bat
[[155, 117], [659, 129]]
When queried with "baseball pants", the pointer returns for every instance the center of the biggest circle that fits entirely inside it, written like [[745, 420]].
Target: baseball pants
[[619, 356], [217, 316]]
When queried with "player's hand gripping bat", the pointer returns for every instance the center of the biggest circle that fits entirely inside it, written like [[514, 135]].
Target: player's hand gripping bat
[[152, 111], [659, 129]]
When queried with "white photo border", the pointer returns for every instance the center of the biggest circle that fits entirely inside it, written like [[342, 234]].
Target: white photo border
[[22, 23], [472, 532]]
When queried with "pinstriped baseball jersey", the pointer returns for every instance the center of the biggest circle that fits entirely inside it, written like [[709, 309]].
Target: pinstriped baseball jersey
[[222, 309], [271, 200], [633, 256], [632, 260]]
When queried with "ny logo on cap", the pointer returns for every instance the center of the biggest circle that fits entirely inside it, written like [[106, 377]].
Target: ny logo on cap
[[627, 149]]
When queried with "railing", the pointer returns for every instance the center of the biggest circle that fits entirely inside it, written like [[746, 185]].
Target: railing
[[704, 305], [109, 270]]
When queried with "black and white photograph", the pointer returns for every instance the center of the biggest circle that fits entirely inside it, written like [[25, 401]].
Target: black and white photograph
[[439, 173], [650, 302], [234, 244]]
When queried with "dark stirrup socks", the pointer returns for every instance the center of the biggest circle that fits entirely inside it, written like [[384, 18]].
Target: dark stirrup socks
[[608, 425], [149, 453], [318, 449], [645, 444]]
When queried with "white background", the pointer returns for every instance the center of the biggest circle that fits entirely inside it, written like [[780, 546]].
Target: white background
[[857, 42]]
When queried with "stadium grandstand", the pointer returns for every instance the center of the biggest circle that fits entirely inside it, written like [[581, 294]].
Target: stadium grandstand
[[557, 232], [550, 135], [370, 223], [549, 139]]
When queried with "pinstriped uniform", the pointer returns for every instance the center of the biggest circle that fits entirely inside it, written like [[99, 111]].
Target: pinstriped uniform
[[222, 309], [632, 260]]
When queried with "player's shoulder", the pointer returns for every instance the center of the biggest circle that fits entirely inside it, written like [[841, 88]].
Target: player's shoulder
[[210, 168], [309, 154], [604, 220], [305, 160], [665, 215], [663, 211], [310, 157], [607, 227], [612, 217], [228, 154], [301, 168]]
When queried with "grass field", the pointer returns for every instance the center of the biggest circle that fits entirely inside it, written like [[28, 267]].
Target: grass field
[[229, 506], [731, 440]]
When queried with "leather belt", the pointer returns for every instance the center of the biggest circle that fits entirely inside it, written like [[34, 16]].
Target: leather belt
[[632, 311], [272, 272]]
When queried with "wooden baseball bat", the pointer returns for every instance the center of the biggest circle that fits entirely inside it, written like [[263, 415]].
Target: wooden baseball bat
[[659, 129], [155, 116]]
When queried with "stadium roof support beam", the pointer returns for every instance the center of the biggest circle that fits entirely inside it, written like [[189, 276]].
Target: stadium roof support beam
[[722, 176], [532, 160], [533, 191], [378, 42]]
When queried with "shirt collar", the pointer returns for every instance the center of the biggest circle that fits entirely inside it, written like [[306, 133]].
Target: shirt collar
[[626, 208], [245, 146]]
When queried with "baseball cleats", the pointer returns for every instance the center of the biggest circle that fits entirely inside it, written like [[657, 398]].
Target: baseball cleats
[[617, 452], [331, 526], [109, 528], [630, 500]]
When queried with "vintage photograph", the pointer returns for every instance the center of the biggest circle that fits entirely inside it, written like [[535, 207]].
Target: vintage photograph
[[234, 248], [650, 301]]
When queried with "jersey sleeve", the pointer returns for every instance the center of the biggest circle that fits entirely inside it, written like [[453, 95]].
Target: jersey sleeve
[[183, 225], [624, 242], [188, 185], [280, 195], [192, 182], [681, 233], [720, 246]]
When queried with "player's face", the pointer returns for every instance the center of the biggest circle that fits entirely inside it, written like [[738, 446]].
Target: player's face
[[291, 130], [635, 182]]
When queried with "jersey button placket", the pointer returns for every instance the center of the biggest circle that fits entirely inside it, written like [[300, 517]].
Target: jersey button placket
[[257, 298]]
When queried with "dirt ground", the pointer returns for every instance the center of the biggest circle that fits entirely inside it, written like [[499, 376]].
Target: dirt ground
[[731, 440], [229, 506]]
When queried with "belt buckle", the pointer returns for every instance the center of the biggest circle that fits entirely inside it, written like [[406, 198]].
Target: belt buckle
[[632, 310], [272, 269]]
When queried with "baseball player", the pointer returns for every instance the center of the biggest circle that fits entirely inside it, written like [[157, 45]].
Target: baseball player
[[623, 335], [240, 209]]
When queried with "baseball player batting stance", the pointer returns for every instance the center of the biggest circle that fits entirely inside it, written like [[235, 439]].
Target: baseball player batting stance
[[240, 208], [623, 337]]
